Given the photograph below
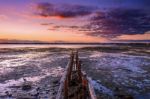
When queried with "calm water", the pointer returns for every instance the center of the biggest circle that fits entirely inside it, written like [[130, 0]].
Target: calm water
[[49, 45]]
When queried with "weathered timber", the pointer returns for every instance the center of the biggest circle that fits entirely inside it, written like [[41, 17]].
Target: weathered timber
[[74, 84]]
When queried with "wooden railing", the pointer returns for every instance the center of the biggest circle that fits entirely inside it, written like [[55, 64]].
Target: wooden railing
[[64, 77], [75, 65], [91, 88]]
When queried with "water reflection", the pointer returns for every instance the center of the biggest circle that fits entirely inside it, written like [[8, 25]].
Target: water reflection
[[51, 45]]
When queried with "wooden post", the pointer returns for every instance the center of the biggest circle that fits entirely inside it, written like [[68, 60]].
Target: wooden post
[[62, 82], [91, 88], [68, 78], [79, 71], [84, 84], [70, 68], [66, 89], [77, 59]]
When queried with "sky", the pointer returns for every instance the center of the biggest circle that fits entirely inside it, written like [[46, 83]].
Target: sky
[[75, 20]]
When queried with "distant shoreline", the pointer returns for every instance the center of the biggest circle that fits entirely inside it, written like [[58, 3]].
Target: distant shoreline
[[82, 43]]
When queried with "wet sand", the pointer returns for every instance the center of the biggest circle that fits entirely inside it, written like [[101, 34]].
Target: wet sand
[[41, 67], [118, 70]]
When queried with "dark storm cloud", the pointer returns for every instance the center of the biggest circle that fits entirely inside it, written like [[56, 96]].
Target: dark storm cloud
[[108, 23], [67, 27], [118, 22], [63, 11], [59, 27]]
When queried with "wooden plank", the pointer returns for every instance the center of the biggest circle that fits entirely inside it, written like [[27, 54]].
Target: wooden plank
[[66, 89], [59, 93], [74, 61], [91, 88], [79, 71]]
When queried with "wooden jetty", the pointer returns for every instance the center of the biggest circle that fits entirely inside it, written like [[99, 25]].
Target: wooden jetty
[[74, 83]]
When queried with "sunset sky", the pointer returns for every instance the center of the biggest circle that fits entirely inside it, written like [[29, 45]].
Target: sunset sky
[[75, 20]]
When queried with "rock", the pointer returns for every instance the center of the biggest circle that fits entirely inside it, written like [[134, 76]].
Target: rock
[[129, 97], [54, 93], [37, 89], [24, 96], [8, 94], [26, 86], [55, 82]]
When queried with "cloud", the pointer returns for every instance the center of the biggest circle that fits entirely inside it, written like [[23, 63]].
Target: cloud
[[63, 11], [66, 27], [116, 22], [46, 24], [14, 41], [109, 23], [131, 41], [3, 17], [145, 36]]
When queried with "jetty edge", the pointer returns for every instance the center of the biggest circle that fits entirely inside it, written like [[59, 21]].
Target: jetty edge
[[75, 84]]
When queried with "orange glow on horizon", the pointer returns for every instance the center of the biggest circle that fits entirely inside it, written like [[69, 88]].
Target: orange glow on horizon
[[23, 24], [51, 37], [145, 36]]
